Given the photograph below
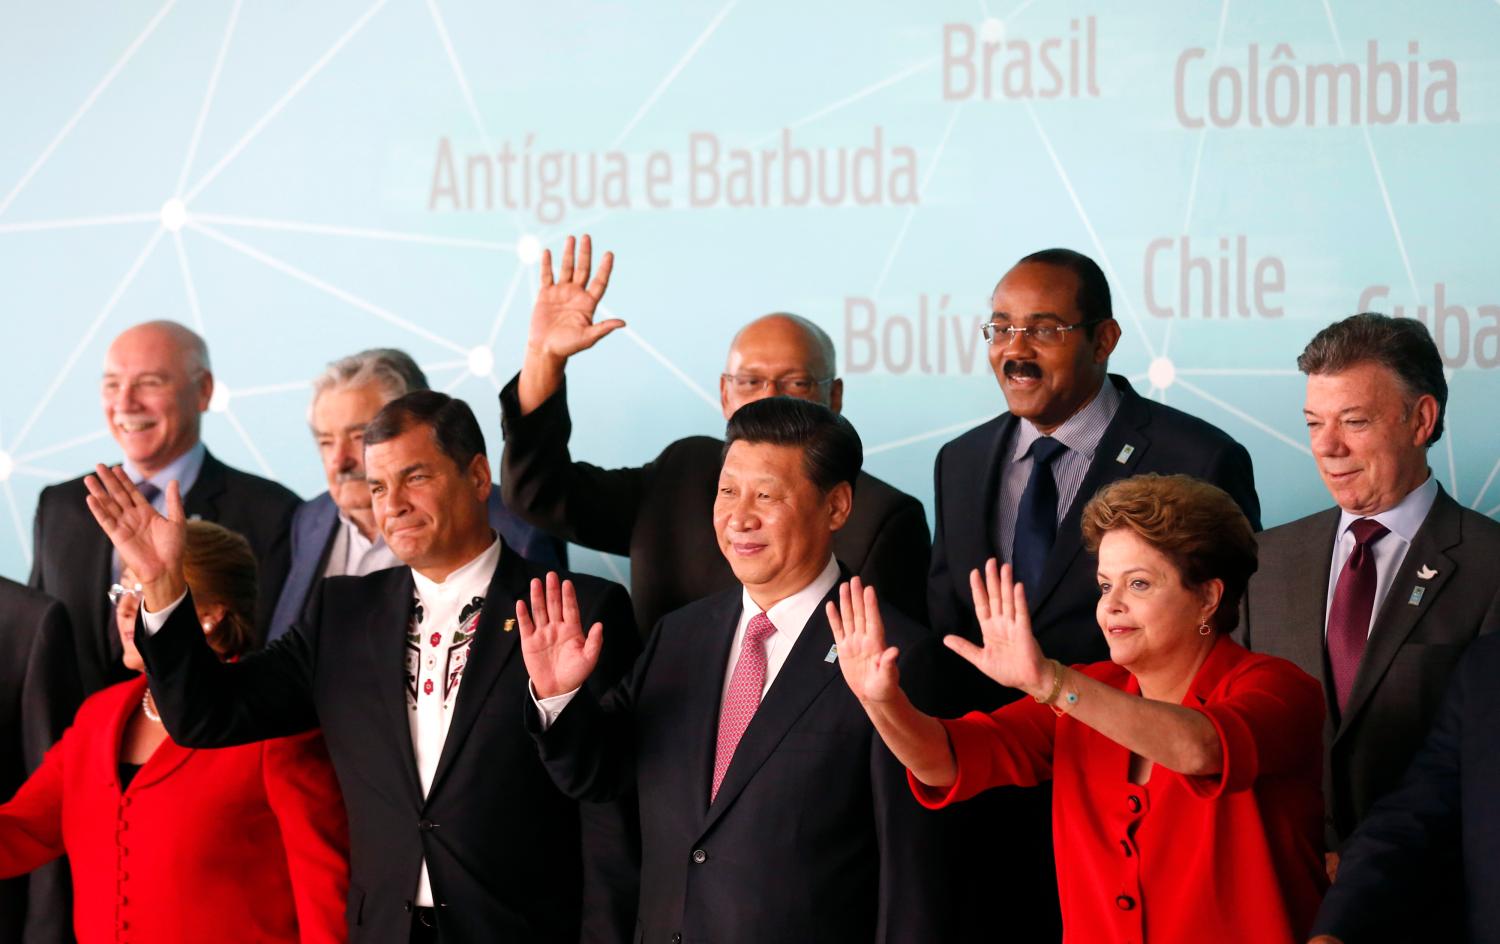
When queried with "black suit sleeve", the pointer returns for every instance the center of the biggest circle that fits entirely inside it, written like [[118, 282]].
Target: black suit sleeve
[[272, 565], [589, 750], [944, 610], [1232, 471], [208, 703], [914, 880], [540, 481], [50, 692], [1409, 843], [898, 561]]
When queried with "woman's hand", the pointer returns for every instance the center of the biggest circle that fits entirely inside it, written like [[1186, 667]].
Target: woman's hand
[[1010, 654], [869, 666]]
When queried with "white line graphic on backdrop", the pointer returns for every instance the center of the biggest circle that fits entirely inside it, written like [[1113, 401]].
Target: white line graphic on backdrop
[[208, 98], [80, 222], [937, 156], [1187, 215], [350, 232], [672, 75], [187, 283]]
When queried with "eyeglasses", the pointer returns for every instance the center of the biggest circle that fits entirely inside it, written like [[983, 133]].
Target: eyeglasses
[[1042, 335], [748, 384], [119, 591]]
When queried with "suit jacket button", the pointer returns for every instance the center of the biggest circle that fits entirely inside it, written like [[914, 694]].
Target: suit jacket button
[[426, 824], [1125, 903], [699, 856], [1134, 802], [676, 938]]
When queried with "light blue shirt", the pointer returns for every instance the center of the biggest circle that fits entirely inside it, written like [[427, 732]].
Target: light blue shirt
[[1403, 520]]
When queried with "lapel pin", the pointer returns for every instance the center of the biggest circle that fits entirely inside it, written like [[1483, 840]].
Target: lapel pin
[[1125, 453], [1426, 573], [1416, 596], [510, 624], [833, 653]]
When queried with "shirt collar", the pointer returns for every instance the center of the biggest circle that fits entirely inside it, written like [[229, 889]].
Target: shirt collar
[[357, 535], [791, 614], [1406, 517], [184, 470], [470, 580], [1082, 431]]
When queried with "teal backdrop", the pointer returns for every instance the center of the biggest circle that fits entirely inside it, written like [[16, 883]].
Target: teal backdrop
[[301, 180]]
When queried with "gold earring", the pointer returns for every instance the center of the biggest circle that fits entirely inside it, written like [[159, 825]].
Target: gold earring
[[1204, 629]]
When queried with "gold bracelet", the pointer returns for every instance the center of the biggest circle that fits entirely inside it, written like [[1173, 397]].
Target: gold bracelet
[[1057, 684]]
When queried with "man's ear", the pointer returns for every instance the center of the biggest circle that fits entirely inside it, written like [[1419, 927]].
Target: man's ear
[[840, 503], [478, 475], [1106, 339], [836, 395], [205, 385], [1425, 413]]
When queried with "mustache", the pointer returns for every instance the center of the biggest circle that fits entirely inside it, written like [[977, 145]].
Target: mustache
[[343, 477], [1022, 369]]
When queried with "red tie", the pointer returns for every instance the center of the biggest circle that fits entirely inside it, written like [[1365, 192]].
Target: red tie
[[743, 698], [1353, 600]]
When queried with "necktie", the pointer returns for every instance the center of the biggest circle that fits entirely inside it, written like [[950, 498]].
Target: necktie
[[743, 697], [147, 490], [1036, 518], [1353, 600]]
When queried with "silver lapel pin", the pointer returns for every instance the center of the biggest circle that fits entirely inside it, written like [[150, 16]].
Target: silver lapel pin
[[833, 653], [1126, 452]]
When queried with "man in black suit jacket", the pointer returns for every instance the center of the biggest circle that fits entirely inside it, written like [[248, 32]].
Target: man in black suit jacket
[[456, 832], [1375, 402], [659, 514], [334, 534], [35, 708], [1439, 828], [157, 383], [1050, 339], [770, 810]]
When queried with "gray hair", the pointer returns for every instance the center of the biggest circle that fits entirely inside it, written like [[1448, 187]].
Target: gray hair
[[392, 371], [1401, 345]]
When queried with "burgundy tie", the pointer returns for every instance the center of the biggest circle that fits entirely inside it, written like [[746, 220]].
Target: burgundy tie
[[743, 697], [1353, 600]]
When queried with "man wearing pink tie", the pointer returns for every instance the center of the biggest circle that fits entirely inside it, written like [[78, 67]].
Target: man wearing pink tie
[[769, 810]]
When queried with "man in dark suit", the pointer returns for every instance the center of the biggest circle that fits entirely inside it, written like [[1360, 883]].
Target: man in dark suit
[[35, 708], [1379, 595], [456, 832], [1439, 828], [334, 535], [659, 514], [1014, 489], [770, 810], [157, 383]]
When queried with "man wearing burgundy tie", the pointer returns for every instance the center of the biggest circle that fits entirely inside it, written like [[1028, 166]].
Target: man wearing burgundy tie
[[769, 809], [1379, 595]]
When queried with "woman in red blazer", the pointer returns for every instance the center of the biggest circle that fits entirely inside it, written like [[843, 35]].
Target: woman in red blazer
[[1187, 800], [168, 844]]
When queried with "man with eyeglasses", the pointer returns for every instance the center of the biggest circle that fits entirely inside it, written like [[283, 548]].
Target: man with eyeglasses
[[659, 514], [157, 382], [1014, 489]]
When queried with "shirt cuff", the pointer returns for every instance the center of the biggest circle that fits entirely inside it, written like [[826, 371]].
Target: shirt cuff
[[549, 708], [151, 622]]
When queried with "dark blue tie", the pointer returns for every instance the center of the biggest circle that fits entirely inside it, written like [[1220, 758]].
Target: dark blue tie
[[147, 490], [1036, 518]]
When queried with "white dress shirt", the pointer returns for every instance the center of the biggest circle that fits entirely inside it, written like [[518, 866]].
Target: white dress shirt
[[1403, 520], [434, 670], [789, 616], [354, 555]]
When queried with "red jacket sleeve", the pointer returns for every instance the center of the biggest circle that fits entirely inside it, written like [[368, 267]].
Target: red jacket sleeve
[[31, 823], [304, 794], [1009, 747]]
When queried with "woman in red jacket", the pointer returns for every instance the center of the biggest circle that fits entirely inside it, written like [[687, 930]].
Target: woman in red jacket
[[168, 844], [1186, 771]]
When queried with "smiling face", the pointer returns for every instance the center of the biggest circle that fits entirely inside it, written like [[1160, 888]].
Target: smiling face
[[1047, 384], [339, 416], [1149, 618], [153, 392], [1369, 436], [774, 525], [431, 513]]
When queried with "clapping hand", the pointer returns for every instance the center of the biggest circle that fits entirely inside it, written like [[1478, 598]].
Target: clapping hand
[[562, 320], [149, 543], [868, 664], [1010, 654], [558, 656]]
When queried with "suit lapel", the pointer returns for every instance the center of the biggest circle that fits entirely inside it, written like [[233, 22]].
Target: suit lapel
[[1398, 614], [202, 500], [387, 641], [801, 679], [984, 534], [707, 654], [489, 652], [1302, 581], [1119, 452]]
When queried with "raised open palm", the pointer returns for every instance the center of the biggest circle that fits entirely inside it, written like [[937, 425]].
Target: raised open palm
[[558, 656], [149, 544], [562, 320], [868, 664], [1010, 654]]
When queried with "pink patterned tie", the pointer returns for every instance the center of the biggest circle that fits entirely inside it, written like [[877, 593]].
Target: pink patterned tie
[[743, 698]]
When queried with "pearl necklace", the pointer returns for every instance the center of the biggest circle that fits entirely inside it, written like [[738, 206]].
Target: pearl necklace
[[149, 707]]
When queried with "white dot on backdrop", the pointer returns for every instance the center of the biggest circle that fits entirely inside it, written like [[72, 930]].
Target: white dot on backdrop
[[7, 466], [529, 249], [481, 361], [992, 30], [219, 402], [1162, 373], [174, 214]]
